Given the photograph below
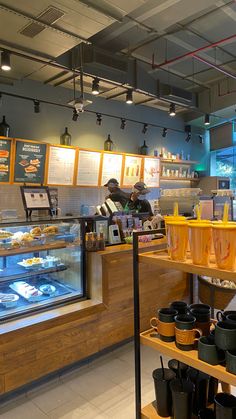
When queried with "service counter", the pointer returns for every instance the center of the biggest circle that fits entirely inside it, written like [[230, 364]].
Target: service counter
[[34, 346]]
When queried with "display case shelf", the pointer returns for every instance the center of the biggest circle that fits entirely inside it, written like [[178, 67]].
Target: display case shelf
[[18, 273], [162, 259], [33, 249], [179, 162]]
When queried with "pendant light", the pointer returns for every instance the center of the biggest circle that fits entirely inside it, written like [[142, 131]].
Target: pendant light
[[207, 119], [5, 61], [95, 86], [129, 97], [172, 109]]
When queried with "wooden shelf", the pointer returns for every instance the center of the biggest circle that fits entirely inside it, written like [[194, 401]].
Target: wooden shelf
[[161, 259], [181, 162], [149, 412], [179, 179], [33, 249], [188, 357]]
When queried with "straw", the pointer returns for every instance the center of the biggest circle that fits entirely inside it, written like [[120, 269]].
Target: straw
[[162, 367], [226, 212], [180, 377], [176, 209], [198, 212]]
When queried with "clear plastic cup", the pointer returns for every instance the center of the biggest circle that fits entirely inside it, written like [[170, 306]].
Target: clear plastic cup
[[200, 233], [224, 239], [177, 239]]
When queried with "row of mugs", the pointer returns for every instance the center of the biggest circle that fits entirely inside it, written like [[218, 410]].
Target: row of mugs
[[210, 353]]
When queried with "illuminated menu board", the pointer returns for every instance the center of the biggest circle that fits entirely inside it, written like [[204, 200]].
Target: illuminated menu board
[[88, 168], [29, 164], [5, 160], [151, 172], [132, 170], [61, 166], [111, 167]]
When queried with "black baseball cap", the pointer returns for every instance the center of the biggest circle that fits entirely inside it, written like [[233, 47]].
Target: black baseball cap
[[141, 187], [112, 181]]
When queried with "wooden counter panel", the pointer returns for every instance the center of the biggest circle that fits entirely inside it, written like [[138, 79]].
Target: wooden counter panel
[[35, 346]]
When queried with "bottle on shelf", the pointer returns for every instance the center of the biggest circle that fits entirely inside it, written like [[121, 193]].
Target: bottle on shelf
[[66, 138], [144, 149], [108, 144], [4, 127]]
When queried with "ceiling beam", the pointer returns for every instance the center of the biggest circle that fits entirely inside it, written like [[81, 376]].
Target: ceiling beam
[[57, 76]]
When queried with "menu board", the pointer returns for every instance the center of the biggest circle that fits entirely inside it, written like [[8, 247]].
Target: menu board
[[132, 170], [61, 166], [88, 168], [151, 172], [29, 162], [111, 167], [5, 160]]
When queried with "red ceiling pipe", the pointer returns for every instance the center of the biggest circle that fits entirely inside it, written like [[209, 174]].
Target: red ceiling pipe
[[191, 53], [222, 70]]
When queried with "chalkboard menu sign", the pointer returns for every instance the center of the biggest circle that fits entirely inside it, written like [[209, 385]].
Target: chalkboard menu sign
[[5, 160], [29, 162]]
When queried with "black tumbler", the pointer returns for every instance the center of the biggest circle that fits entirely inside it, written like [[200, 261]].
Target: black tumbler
[[225, 406], [213, 389], [178, 367], [206, 414], [182, 398], [162, 390], [201, 384]]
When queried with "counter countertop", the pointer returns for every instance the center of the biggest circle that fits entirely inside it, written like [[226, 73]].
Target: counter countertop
[[119, 248]]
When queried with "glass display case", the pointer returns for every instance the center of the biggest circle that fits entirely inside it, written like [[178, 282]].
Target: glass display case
[[42, 264]]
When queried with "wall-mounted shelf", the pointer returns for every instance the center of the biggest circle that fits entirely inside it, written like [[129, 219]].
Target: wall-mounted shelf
[[179, 162], [179, 179]]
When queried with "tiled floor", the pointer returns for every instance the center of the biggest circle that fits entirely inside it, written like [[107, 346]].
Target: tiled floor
[[101, 389]]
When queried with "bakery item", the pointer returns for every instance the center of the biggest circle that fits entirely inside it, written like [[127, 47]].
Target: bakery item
[[4, 153], [36, 231], [31, 169], [35, 162], [4, 168], [50, 230], [4, 234]]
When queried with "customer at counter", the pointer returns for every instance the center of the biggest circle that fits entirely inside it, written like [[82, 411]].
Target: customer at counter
[[136, 203], [116, 194]]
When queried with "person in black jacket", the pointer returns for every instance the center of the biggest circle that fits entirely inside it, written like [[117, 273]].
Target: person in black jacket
[[135, 203], [116, 194]]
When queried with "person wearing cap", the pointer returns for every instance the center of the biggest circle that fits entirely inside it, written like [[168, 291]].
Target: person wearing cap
[[136, 204], [116, 194]]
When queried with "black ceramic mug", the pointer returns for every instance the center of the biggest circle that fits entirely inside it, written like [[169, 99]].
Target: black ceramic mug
[[208, 352], [206, 414], [203, 317], [180, 306], [231, 318], [185, 332], [221, 315], [164, 324], [231, 361], [225, 406], [225, 335]]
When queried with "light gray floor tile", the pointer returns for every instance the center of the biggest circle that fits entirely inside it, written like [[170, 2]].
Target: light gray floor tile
[[52, 398], [27, 410]]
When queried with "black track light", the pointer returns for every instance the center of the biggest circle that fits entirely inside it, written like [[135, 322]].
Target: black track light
[[99, 119], [95, 86], [145, 127], [5, 61], [129, 96], [172, 109], [188, 130], [123, 123], [164, 132], [75, 115], [201, 140], [36, 106], [207, 119]]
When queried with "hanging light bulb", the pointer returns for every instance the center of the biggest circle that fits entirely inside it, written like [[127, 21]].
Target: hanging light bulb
[[188, 130], [172, 109], [145, 127], [129, 97], [95, 86], [207, 119], [99, 119], [75, 115], [164, 132], [5, 61], [36, 106], [123, 123]]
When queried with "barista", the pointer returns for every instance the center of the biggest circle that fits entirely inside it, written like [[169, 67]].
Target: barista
[[136, 202], [116, 194]]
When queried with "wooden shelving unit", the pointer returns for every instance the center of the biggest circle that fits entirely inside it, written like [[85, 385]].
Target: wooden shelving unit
[[179, 162], [179, 179], [150, 337]]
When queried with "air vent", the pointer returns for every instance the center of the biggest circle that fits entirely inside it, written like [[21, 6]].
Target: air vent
[[99, 58], [49, 16], [176, 95]]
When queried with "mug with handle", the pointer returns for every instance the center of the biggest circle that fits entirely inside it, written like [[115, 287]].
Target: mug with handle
[[186, 335], [164, 324]]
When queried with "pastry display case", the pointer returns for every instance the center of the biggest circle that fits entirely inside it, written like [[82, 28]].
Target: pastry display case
[[41, 265]]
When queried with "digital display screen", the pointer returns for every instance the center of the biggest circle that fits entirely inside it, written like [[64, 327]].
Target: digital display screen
[[115, 233], [36, 197]]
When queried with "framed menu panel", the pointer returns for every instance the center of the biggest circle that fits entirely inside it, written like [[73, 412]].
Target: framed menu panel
[[132, 170], [88, 168], [151, 172], [111, 167], [61, 165], [29, 164], [5, 160]]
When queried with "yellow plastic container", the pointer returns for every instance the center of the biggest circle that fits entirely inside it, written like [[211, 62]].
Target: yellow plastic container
[[177, 239], [200, 233], [224, 239]]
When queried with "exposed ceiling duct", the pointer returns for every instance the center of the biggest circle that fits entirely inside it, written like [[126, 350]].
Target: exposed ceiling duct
[[177, 95]]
